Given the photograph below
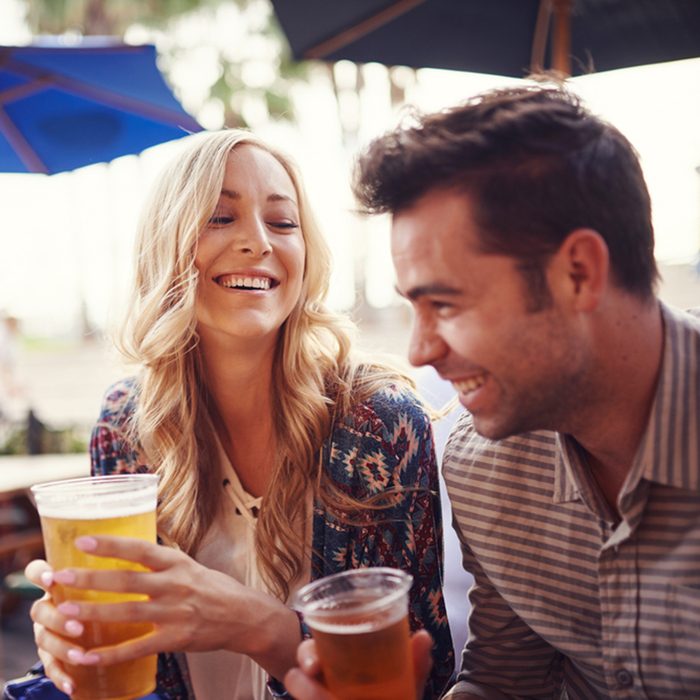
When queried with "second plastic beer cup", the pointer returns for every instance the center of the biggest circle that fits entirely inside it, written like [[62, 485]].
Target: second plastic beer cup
[[359, 620], [123, 505]]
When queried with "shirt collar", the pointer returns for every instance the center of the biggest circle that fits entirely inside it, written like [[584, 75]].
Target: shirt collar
[[565, 486], [669, 451]]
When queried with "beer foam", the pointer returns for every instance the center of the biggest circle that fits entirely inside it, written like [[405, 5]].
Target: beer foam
[[91, 509], [325, 622], [95, 499], [330, 628]]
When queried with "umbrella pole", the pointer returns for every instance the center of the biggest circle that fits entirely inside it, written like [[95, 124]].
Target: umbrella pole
[[561, 48]]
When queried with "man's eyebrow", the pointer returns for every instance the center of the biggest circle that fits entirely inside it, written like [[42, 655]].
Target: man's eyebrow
[[232, 194], [428, 290]]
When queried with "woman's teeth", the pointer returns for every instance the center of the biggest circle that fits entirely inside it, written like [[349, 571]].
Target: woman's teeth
[[246, 282]]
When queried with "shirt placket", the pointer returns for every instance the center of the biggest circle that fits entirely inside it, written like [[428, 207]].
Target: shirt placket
[[619, 583]]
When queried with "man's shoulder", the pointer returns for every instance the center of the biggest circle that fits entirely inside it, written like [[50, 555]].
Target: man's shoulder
[[688, 318], [466, 447]]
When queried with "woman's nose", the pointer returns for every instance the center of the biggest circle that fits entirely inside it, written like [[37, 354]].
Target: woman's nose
[[252, 238]]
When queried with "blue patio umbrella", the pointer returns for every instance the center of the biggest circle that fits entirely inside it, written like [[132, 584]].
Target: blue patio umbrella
[[63, 107]]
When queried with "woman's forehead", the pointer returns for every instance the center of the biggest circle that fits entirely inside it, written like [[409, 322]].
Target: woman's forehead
[[250, 168]]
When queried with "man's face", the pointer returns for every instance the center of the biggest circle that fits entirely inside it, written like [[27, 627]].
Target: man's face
[[515, 370]]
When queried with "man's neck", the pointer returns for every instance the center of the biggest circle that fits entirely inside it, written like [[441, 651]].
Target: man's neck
[[631, 342]]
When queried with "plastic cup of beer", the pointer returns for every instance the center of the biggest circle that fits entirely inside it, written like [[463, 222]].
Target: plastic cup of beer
[[123, 505], [359, 620]]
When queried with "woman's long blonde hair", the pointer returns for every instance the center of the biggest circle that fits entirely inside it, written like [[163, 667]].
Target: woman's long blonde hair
[[315, 376]]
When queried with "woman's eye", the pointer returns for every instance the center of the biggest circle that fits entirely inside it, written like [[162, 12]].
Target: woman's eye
[[284, 224], [220, 220]]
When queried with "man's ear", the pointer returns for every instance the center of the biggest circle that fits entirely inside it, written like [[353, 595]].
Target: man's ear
[[579, 270]]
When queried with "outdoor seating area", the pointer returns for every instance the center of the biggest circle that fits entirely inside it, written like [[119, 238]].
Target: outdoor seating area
[[349, 351]]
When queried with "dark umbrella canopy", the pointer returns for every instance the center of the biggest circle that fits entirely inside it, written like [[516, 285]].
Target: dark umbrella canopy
[[65, 107], [501, 37]]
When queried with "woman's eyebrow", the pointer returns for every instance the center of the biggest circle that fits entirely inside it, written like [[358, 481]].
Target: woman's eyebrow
[[232, 194]]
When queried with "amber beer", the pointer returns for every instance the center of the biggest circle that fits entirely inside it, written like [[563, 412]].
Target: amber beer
[[123, 505], [359, 620]]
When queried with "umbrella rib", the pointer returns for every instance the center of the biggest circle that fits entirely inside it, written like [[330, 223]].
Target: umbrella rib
[[129, 104], [20, 91], [357, 31], [26, 153], [81, 89]]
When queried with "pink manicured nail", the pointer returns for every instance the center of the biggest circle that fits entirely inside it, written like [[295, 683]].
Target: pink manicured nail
[[47, 578], [87, 544], [75, 656], [74, 628], [64, 577], [70, 609], [67, 687]]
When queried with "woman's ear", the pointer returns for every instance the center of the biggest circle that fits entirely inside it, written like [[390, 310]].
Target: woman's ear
[[578, 272]]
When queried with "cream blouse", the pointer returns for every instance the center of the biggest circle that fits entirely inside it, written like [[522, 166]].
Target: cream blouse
[[229, 547]]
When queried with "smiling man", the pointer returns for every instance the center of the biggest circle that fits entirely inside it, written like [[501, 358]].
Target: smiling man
[[522, 237]]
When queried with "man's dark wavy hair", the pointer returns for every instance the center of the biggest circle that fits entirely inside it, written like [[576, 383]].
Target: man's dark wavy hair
[[535, 165]]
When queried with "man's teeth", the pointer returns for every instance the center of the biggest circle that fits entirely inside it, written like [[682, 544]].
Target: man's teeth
[[246, 282], [464, 386]]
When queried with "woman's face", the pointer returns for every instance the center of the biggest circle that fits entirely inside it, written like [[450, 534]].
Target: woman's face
[[250, 256]]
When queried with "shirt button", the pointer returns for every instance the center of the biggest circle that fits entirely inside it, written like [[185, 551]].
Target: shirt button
[[624, 678]]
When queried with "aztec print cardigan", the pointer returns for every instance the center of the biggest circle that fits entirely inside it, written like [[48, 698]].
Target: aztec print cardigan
[[383, 443]]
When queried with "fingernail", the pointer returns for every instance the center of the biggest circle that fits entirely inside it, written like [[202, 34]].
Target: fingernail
[[307, 664], [87, 544], [47, 578], [65, 577], [74, 628], [75, 656], [70, 609], [67, 687]]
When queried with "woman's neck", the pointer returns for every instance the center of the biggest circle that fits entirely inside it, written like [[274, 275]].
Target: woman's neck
[[240, 385]]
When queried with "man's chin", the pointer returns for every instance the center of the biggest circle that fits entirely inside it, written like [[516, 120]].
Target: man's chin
[[493, 429]]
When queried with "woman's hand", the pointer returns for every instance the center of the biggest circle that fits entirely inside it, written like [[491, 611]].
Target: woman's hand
[[193, 608], [304, 682], [48, 625]]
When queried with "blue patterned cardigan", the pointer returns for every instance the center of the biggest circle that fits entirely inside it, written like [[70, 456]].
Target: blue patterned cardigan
[[383, 443]]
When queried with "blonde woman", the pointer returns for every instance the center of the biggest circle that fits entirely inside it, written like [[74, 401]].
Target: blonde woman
[[282, 456]]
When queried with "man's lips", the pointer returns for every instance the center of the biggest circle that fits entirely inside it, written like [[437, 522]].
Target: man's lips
[[465, 385]]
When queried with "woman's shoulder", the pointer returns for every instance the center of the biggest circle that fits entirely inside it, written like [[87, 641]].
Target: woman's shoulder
[[387, 406], [389, 413], [119, 402]]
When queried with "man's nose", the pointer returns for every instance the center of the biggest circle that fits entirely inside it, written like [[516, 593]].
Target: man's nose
[[426, 346]]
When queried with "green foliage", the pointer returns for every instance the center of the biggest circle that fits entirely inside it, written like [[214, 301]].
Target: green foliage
[[67, 440], [115, 17]]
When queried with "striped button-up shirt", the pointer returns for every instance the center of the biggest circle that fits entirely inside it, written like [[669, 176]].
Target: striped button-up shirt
[[567, 603]]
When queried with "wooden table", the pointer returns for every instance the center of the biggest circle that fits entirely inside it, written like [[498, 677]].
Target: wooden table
[[17, 474]]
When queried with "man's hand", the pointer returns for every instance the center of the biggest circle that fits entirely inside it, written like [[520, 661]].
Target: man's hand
[[305, 683]]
